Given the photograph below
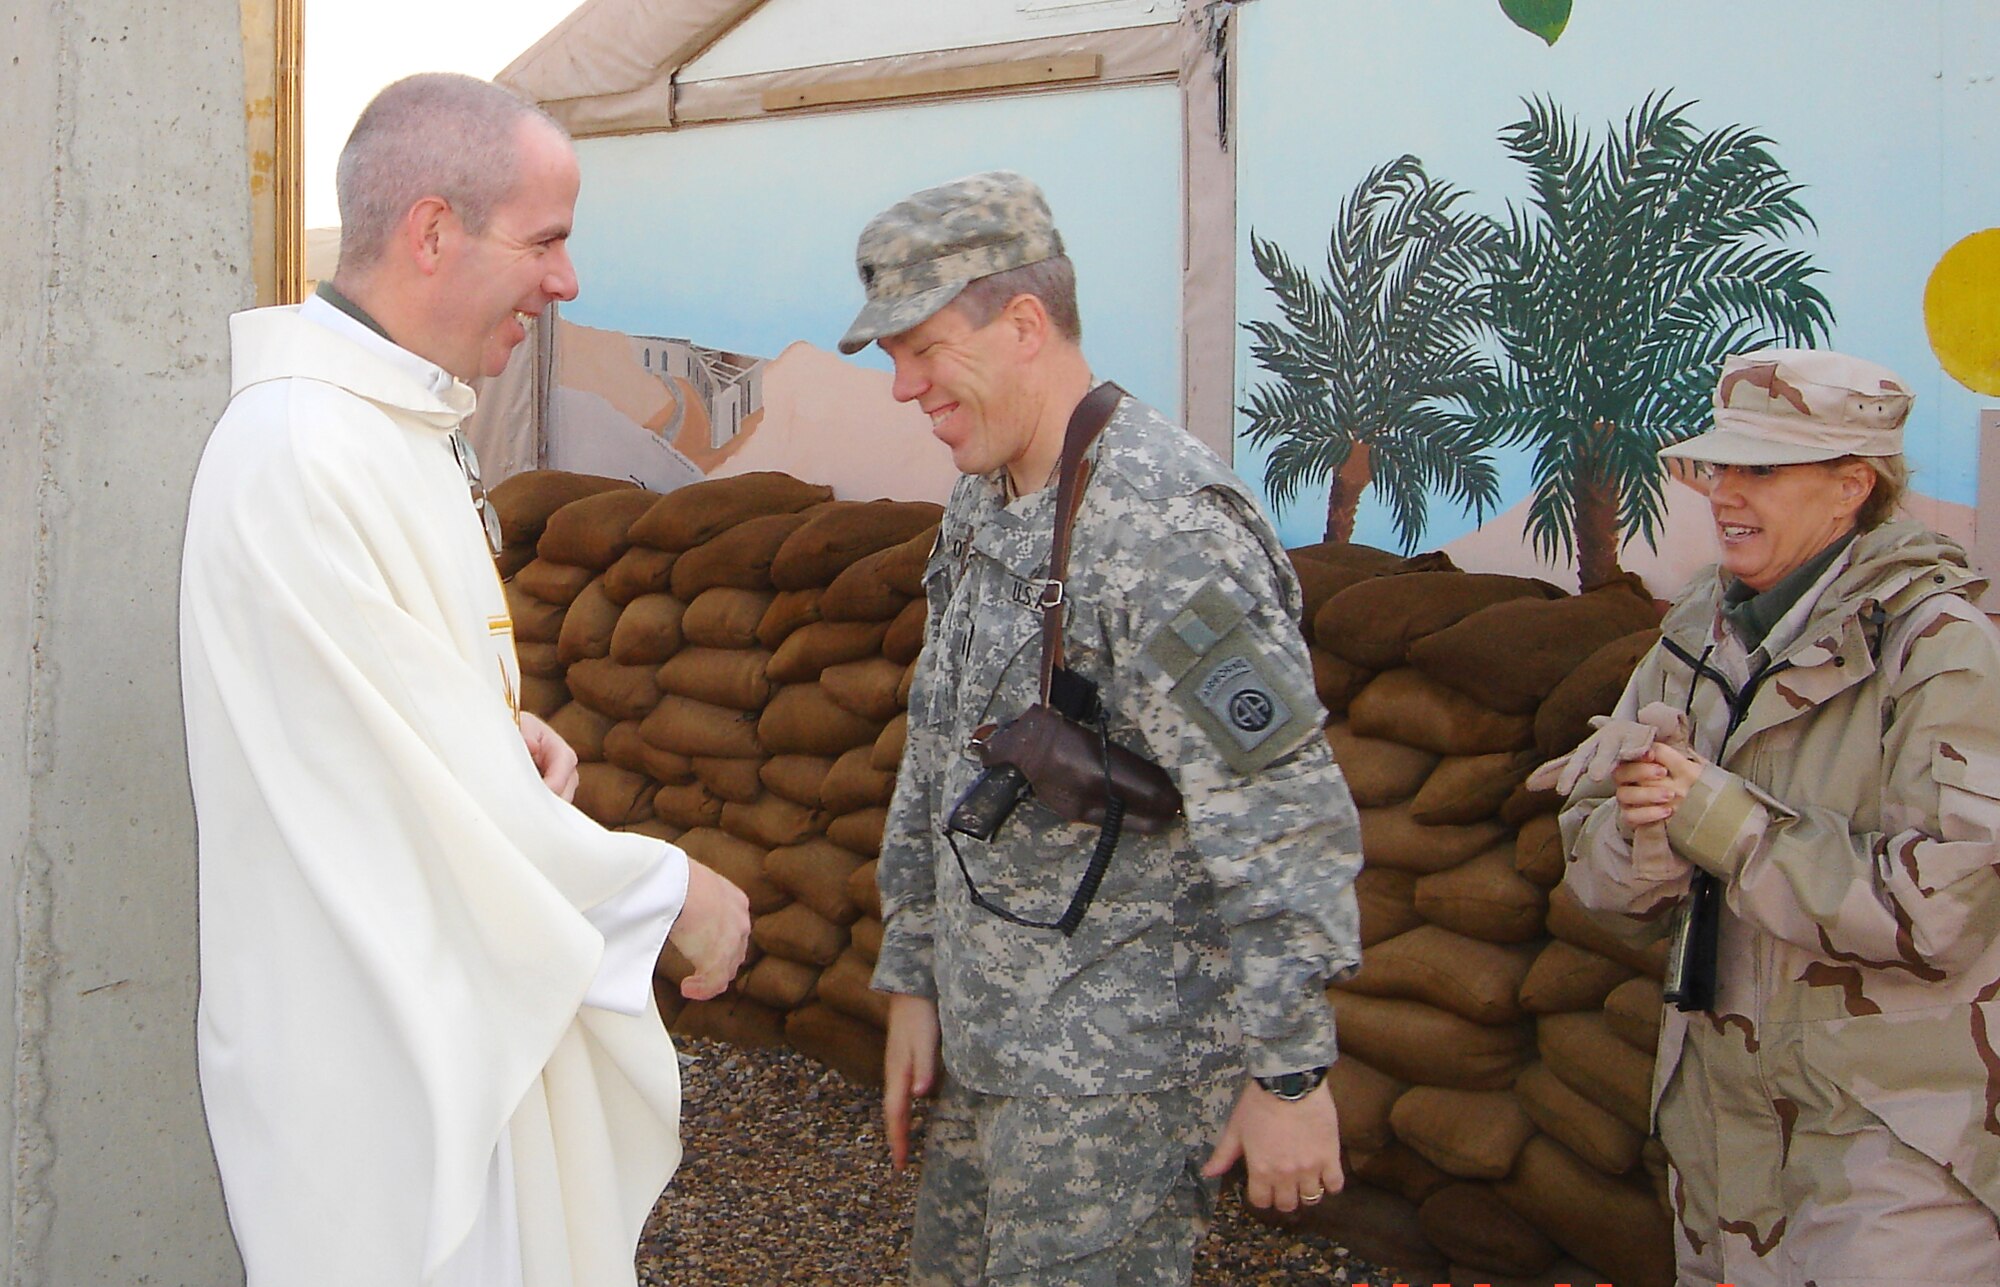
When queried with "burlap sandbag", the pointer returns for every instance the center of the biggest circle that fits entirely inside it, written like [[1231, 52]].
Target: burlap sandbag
[[778, 983], [797, 778], [1475, 980], [1641, 946], [859, 830], [1522, 804], [1375, 1225], [612, 796], [817, 873], [888, 746], [1563, 718], [815, 646], [798, 933], [732, 677], [838, 534], [1426, 1046], [592, 532], [1615, 1226], [789, 610], [627, 747], [1337, 681], [866, 687], [687, 804], [862, 591], [1379, 771], [1565, 977], [1374, 622], [525, 501], [639, 571], [587, 626], [771, 821], [734, 1020], [1484, 898], [648, 630], [622, 692], [801, 719], [539, 660], [1632, 1010], [862, 889], [1473, 1226], [543, 697], [534, 621], [867, 934], [1388, 902], [1582, 1050], [844, 986], [653, 827], [1512, 655], [903, 565], [511, 559], [740, 556], [1538, 851], [557, 583], [905, 637], [1472, 1134], [903, 689], [584, 729], [855, 783], [1318, 582], [725, 617], [1397, 1168], [1470, 788], [1591, 1132], [838, 1041], [739, 862], [729, 779], [699, 512], [1408, 706], [1364, 1095], [1391, 837], [701, 728]]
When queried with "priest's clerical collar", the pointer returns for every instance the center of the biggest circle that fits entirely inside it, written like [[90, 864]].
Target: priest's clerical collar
[[1752, 614], [327, 292]]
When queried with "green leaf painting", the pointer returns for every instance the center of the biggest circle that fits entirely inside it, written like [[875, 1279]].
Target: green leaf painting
[[1546, 18]]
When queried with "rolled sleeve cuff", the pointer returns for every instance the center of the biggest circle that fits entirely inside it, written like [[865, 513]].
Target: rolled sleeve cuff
[[904, 964], [1312, 1044], [1717, 827]]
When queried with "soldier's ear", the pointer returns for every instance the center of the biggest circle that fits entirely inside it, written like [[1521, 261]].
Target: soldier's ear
[[1028, 321]]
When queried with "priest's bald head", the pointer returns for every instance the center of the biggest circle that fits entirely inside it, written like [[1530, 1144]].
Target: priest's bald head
[[456, 200]]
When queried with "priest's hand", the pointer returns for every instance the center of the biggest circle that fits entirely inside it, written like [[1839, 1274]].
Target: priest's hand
[[1290, 1148], [712, 932], [909, 1067], [553, 758]]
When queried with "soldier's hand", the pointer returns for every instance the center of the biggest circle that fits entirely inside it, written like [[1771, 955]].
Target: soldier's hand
[[553, 757], [909, 1068], [1290, 1149], [712, 932]]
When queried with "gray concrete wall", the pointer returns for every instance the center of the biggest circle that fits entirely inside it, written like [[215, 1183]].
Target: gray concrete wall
[[124, 196]]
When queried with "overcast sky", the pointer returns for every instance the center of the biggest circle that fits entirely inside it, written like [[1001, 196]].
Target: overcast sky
[[355, 47]]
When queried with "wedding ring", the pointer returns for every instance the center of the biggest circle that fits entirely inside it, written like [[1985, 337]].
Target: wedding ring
[[1314, 1196]]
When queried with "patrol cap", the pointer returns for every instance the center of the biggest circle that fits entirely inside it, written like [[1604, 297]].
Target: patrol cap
[[916, 256], [1795, 406]]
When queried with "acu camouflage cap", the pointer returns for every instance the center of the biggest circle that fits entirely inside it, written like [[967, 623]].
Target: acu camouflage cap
[[916, 256], [1795, 406]]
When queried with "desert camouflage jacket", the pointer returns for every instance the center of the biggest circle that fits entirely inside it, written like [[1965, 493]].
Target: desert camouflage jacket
[[1852, 811], [1209, 944]]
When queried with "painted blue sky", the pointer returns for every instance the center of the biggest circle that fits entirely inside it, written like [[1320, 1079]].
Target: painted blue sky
[[1876, 108], [742, 236]]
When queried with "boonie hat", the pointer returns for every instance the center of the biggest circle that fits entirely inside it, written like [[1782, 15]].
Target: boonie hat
[[916, 256], [1795, 406]]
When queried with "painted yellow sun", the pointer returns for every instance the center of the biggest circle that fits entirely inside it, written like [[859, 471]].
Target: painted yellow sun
[[1962, 311]]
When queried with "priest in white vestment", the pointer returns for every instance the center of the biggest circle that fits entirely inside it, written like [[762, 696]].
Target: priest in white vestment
[[428, 1046]]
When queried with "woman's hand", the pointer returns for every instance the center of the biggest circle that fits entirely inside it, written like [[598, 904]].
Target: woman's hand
[[1652, 787]]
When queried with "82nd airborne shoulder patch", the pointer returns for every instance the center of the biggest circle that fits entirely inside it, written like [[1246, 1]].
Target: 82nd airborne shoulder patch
[[1242, 688]]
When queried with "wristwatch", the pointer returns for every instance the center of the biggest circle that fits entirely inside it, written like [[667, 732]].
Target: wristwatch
[[1294, 1086]]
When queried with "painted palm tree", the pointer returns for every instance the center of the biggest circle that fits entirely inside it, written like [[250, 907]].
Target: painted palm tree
[[1378, 365], [1639, 263]]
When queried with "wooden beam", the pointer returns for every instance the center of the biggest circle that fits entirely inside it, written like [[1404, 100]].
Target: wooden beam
[[927, 84], [273, 45]]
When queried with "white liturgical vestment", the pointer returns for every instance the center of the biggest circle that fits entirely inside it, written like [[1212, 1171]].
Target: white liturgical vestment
[[403, 1019]]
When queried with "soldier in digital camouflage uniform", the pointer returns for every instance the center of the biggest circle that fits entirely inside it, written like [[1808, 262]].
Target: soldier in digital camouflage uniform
[[1096, 1085], [1832, 1119]]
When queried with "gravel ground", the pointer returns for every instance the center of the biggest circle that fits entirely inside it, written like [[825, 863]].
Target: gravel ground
[[787, 1180]]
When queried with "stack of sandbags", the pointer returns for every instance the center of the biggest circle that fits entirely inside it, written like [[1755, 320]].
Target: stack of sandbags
[[1496, 1042], [731, 662]]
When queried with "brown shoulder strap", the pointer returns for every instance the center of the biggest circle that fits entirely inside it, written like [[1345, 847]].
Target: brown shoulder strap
[[1085, 423]]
